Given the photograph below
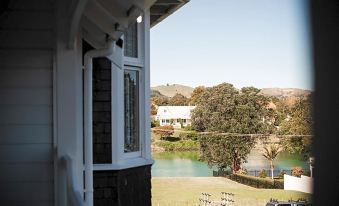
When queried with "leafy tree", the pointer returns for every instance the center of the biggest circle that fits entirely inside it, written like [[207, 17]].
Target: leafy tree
[[226, 109], [154, 109], [160, 100], [223, 151], [197, 94], [164, 131], [178, 100], [299, 123], [270, 153]]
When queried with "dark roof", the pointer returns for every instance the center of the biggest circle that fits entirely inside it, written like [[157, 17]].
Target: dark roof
[[163, 8]]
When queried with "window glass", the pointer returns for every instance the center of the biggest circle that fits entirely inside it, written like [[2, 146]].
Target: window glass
[[131, 87], [131, 41]]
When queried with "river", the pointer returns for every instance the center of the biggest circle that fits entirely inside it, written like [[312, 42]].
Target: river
[[186, 164]]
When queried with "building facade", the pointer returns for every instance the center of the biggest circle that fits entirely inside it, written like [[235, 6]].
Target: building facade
[[177, 116], [74, 87]]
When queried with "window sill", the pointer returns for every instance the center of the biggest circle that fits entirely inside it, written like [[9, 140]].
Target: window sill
[[124, 164]]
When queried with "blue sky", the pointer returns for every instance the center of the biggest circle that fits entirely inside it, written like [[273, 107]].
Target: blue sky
[[261, 43]]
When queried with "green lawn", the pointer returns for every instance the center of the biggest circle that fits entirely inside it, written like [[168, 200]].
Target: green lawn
[[184, 191]]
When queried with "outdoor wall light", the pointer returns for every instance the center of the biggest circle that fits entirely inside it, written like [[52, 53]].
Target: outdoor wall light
[[139, 19]]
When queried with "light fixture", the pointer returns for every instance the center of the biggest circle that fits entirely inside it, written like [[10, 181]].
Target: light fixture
[[139, 19]]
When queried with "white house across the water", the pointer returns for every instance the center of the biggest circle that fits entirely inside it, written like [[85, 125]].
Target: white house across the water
[[178, 116], [74, 106]]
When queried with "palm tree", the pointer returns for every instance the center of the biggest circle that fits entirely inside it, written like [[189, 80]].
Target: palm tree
[[270, 153]]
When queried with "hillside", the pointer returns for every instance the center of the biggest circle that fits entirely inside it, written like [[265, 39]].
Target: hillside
[[172, 89], [285, 92], [290, 95]]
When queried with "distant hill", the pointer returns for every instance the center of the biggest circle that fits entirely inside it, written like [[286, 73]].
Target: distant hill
[[171, 90], [285, 92], [289, 95]]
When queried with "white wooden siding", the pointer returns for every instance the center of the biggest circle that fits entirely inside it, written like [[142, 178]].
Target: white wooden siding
[[26, 80]]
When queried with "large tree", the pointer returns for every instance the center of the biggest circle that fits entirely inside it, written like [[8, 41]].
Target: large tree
[[299, 123], [223, 151], [225, 109], [197, 94]]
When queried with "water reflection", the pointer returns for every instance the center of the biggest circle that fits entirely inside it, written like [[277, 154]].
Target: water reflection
[[186, 164]]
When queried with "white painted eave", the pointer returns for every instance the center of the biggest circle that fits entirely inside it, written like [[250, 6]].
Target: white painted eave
[[161, 9]]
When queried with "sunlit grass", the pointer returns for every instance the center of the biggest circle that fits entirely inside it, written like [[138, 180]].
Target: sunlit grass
[[179, 191]]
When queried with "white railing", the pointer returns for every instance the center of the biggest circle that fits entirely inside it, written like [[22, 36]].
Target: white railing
[[73, 192]]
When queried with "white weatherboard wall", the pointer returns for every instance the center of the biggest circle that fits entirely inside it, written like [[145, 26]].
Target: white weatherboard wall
[[302, 184], [26, 62]]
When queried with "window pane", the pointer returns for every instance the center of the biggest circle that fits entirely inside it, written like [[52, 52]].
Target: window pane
[[131, 41], [131, 80]]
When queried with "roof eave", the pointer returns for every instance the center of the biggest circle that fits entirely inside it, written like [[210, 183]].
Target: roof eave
[[168, 12]]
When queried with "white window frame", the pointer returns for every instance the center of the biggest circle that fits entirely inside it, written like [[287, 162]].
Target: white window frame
[[120, 159], [139, 61], [141, 111]]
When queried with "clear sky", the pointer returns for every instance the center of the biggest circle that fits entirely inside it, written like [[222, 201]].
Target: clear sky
[[261, 43]]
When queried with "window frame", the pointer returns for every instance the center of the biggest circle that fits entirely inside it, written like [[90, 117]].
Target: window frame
[[138, 153], [139, 61]]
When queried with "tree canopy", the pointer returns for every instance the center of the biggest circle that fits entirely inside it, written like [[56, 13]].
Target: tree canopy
[[225, 109], [178, 100]]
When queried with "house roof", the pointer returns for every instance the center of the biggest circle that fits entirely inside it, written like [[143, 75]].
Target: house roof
[[174, 112], [163, 8]]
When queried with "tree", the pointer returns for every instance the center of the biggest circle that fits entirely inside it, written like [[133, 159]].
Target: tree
[[197, 94], [299, 123], [160, 100], [153, 109], [225, 109], [164, 131], [178, 100], [223, 151], [270, 153]]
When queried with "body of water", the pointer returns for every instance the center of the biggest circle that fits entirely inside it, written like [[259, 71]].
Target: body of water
[[186, 164]]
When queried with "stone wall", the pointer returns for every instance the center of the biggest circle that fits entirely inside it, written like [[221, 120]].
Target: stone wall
[[129, 187]]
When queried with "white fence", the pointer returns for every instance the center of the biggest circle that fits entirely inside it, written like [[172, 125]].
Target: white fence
[[302, 184]]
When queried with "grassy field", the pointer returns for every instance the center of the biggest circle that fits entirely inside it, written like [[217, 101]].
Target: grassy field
[[184, 191]]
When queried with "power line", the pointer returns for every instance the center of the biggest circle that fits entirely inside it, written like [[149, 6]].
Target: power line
[[234, 134]]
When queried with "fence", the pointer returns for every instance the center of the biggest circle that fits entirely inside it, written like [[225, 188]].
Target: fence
[[254, 173], [302, 184]]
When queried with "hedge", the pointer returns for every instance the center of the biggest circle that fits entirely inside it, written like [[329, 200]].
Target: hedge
[[182, 145], [258, 182], [191, 135]]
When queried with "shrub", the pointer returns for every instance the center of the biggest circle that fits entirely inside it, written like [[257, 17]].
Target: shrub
[[281, 174], [188, 128], [155, 123], [242, 172], [307, 173], [188, 135], [258, 182], [262, 174], [182, 145], [164, 131], [297, 171]]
